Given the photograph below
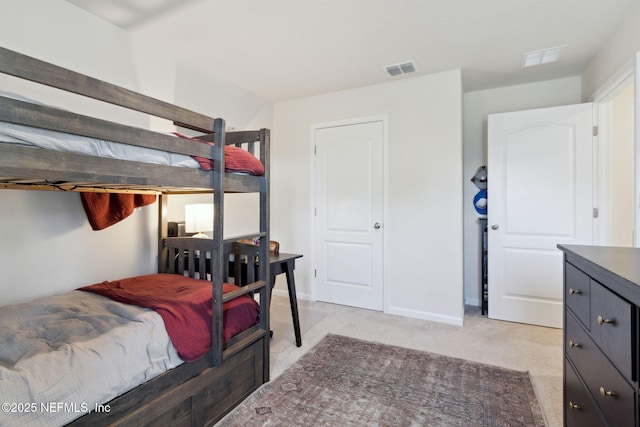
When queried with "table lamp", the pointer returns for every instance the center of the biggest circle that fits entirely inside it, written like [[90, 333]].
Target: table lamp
[[198, 218]]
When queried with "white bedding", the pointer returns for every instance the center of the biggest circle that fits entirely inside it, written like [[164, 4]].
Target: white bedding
[[61, 356], [60, 141]]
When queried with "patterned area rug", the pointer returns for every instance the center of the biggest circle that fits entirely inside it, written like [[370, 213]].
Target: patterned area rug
[[349, 382]]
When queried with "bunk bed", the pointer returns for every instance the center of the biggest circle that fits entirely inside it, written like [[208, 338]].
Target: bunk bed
[[197, 392]]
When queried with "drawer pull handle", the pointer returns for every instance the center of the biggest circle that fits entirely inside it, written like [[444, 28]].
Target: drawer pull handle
[[605, 393], [601, 321], [574, 344], [574, 406], [574, 291]]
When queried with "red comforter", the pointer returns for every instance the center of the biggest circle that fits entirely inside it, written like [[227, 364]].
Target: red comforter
[[185, 306], [235, 159]]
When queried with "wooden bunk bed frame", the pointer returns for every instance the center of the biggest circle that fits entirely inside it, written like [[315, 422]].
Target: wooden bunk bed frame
[[197, 393]]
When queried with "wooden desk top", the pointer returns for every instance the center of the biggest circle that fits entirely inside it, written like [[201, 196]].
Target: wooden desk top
[[282, 257]]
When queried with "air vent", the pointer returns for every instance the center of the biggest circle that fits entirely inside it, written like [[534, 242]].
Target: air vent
[[399, 69], [541, 57]]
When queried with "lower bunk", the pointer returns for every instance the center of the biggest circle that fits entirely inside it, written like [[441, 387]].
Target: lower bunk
[[193, 394], [132, 352]]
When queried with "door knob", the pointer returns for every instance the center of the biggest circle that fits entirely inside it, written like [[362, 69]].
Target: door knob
[[377, 225], [495, 226]]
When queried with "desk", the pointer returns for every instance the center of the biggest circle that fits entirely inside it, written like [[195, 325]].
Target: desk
[[285, 263]]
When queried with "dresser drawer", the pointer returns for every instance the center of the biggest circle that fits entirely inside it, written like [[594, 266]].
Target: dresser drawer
[[611, 326], [579, 347], [579, 408], [577, 294], [611, 392]]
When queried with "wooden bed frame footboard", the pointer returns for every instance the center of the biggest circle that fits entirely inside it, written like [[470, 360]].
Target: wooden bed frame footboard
[[193, 394]]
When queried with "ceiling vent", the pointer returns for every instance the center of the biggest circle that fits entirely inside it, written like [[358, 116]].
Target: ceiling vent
[[544, 56], [399, 69]]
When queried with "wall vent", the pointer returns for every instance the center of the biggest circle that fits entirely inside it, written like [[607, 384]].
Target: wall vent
[[541, 57], [400, 69]]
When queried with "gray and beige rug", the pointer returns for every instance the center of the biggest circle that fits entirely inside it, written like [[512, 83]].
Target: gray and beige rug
[[349, 382]]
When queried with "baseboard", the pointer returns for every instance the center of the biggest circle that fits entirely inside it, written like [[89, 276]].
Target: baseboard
[[450, 320], [285, 293], [472, 301]]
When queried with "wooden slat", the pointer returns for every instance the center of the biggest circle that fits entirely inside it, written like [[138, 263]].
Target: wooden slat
[[28, 114], [251, 287], [231, 240], [98, 189], [74, 188], [55, 167], [242, 344], [28, 68], [241, 137]]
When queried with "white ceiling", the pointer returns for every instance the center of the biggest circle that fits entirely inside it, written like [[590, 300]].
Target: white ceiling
[[286, 49]]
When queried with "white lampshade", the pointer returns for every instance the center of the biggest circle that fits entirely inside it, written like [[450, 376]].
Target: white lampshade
[[198, 218]]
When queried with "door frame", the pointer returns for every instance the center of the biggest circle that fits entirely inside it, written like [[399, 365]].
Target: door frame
[[384, 118], [627, 74]]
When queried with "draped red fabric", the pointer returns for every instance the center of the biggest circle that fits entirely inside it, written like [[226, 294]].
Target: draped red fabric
[[106, 209]]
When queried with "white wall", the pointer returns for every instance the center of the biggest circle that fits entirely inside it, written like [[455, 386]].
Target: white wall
[[423, 227], [620, 48], [240, 211], [621, 168], [477, 106], [46, 244], [618, 55]]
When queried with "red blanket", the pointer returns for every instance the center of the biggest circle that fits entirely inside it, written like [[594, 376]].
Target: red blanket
[[235, 159], [185, 306], [105, 209]]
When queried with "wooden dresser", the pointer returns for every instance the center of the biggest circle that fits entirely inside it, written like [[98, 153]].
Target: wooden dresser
[[601, 298]]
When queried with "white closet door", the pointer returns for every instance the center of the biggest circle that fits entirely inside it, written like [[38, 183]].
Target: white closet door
[[349, 209]]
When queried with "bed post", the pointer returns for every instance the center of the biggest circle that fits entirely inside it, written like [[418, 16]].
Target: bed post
[[265, 274], [163, 231], [217, 253]]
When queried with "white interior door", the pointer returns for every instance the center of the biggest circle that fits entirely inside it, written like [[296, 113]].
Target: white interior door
[[540, 192], [349, 214]]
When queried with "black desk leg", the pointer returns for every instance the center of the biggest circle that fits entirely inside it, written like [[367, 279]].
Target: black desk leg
[[293, 300], [273, 284]]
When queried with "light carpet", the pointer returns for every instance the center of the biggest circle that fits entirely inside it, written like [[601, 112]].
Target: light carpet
[[282, 327], [349, 382]]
